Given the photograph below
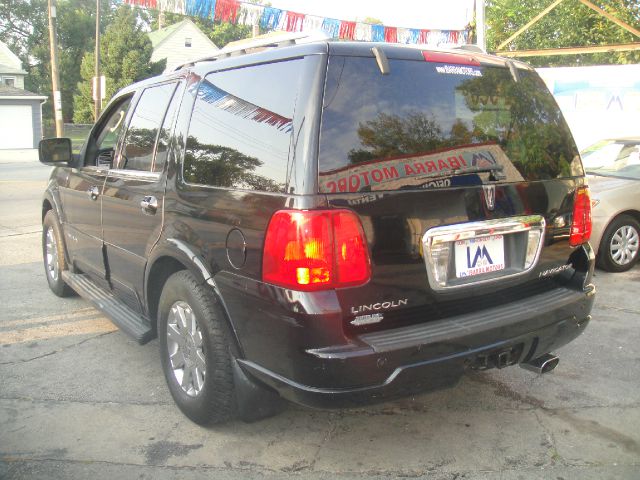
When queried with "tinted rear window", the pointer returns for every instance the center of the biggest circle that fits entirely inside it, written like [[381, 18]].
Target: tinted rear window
[[429, 125], [241, 127]]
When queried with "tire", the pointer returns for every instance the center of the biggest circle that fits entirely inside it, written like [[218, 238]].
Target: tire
[[53, 255], [620, 244], [200, 376]]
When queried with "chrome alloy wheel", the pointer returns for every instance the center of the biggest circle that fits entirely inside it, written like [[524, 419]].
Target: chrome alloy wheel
[[185, 348], [624, 245], [51, 253]]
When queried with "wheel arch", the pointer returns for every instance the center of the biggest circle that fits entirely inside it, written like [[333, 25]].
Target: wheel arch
[[604, 258], [46, 206], [632, 213], [635, 214], [158, 274], [174, 256], [49, 203]]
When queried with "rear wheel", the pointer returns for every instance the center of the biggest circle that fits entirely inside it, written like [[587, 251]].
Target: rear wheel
[[620, 243], [194, 350], [53, 255]]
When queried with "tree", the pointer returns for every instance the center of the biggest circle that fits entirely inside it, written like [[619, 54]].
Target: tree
[[570, 24], [390, 135], [217, 165], [24, 28], [529, 127], [125, 51]]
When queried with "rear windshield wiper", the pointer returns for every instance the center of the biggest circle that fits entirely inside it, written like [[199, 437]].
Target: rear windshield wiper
[[494, 170]]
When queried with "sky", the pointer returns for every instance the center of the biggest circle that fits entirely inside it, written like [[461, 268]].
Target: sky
[[427, 14]]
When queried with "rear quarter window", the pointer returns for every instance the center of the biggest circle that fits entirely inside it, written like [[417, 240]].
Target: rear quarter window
[[241, 128], [433, 125]]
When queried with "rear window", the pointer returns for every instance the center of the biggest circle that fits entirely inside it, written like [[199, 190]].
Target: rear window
[[434, 125]]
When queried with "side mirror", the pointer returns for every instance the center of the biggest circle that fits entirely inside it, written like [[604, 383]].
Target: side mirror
[[55, 151]]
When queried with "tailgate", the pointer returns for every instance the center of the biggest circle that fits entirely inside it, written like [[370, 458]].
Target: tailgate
[[463, 174]]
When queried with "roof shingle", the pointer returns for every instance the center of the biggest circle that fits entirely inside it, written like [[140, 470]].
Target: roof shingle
[[7, 91]]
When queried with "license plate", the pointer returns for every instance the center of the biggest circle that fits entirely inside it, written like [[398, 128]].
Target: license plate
[[476, 256]]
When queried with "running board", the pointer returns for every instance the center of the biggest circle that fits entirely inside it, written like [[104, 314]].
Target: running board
[[129, 321]]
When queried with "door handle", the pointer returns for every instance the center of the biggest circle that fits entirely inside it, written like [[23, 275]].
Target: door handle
[[149, 205], [93, 192]]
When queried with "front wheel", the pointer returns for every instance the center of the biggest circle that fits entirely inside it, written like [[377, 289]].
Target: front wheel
[[53, 255], [194, 350], [619, 247]]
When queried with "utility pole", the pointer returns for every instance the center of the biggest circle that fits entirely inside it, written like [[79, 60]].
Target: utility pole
[[480, 27], [55, 80], [97, 91]]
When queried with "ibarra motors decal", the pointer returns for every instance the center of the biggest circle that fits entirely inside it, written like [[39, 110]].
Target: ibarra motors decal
[[372, 307]]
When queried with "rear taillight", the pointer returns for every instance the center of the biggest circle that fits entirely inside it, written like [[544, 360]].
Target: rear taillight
[[315, 250], [581, 225]]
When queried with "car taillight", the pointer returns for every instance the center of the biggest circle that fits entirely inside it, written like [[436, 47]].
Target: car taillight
[[581, 225], [315, 250]]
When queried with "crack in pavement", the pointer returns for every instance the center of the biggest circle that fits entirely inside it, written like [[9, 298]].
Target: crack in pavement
[[619, 309], [363, 413], [247, 467], [551, 440], [86, 402], [586, 426], [60, 350], [9, 235], [333, 426]]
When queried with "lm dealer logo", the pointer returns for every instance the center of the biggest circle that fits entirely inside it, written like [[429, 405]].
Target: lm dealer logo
[[475, 258], [482, 255]]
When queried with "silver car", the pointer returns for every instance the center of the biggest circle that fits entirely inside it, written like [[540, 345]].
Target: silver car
[[613, 169]]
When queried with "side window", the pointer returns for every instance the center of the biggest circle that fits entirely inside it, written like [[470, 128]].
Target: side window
[[162, 149], [103, 140], [241, 127], [108, 137], [148, 116]]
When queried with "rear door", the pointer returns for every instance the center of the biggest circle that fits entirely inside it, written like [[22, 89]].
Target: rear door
[[133, 197]]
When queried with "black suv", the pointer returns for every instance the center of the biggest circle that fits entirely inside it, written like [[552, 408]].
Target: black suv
[[330, 223]]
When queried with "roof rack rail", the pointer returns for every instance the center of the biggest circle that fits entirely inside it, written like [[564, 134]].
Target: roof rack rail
[[262, 42]]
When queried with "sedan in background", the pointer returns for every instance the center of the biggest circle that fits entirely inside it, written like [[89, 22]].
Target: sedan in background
[[613, 172]]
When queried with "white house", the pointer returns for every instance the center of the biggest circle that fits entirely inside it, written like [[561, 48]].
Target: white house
[[180, 43], [20, 110], [11, 73]]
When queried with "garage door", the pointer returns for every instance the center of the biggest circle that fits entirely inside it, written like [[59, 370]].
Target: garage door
[[16, 128]]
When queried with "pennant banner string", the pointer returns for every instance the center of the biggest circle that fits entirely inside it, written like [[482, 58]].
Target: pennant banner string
[[271, 18]]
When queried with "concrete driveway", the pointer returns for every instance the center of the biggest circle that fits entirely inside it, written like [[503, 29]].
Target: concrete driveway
[[27, 155], [78, 399]]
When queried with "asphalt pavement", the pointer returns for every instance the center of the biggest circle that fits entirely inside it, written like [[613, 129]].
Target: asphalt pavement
[[79, 399]]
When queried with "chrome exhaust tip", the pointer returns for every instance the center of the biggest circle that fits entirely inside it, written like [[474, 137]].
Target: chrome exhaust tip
[[543, 364]]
